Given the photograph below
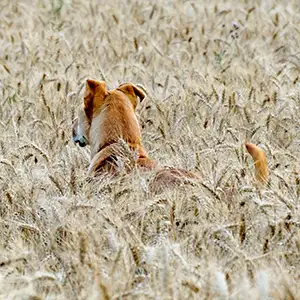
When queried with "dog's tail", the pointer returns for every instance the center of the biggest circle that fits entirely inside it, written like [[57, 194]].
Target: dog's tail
[[260, 162]]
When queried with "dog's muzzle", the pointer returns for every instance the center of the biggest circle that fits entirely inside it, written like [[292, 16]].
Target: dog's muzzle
[[82, 141]]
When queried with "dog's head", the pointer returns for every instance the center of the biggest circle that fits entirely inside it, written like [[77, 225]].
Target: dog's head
[[95, 96]]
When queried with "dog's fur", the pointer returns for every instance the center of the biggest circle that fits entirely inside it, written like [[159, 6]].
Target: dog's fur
[[169, 177], [105, 118]]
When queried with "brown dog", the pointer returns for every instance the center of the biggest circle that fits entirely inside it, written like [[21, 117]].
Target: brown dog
[[108, 117], [105, 120]]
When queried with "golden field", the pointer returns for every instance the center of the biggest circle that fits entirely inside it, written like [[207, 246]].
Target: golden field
[[217, 74]]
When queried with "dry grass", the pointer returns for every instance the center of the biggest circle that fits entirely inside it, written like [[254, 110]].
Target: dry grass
[[217, 74]]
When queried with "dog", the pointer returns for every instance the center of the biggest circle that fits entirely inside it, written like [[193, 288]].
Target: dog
[[107, 122], [106, 118]]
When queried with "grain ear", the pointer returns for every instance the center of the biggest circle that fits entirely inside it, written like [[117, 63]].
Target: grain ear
[[74, 129], [132, 92], [95, 91]]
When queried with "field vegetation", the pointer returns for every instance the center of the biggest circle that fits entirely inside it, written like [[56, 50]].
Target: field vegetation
[[217, 74]]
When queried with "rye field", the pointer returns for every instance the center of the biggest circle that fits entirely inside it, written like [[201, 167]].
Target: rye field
[[217, 74]]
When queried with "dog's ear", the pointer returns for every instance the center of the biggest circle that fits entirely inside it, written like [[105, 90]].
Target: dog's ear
[[132, 92], [95, 92]]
